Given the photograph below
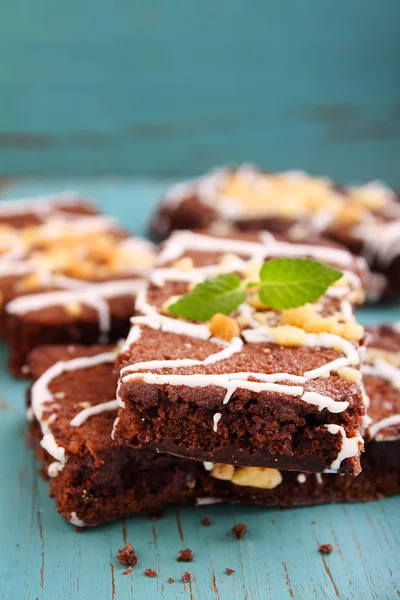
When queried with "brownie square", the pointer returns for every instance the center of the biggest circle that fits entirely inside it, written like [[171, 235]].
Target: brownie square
[[260, 398], [365, 218], [94, 480], [67, 274]]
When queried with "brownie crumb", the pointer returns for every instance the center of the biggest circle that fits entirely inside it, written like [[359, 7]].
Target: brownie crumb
[[229, 571], [127, 556], [206, 521], [127, 571], [186, 577], [313, 522], [156, 515], [325, 548], [239, 530], [171, 580], [185, 555], [150, 573]]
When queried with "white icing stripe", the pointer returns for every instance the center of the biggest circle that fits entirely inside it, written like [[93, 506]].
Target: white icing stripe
[[97, 409], [230, 382], [311, 340], [115, 425], [174, 326], [235, 345], [94, 295], [350, 447], [181, 241], [40, 206], [327, 368], [74, 520], [385, 370], [324, 402], [40, 395], [196, 275], [388, 422], [216, 420]]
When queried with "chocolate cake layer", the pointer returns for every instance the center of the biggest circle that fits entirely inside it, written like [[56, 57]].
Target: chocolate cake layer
[[93, 479], [365, 218], [67, 274], [283, 389]]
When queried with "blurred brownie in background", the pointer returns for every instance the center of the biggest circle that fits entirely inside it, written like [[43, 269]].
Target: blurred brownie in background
[[67, 274], [365, 218]]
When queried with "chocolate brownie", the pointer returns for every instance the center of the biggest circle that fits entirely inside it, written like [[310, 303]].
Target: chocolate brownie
[[67, 275], [365, 218], [93, 479], [260, 388], [73, 412]]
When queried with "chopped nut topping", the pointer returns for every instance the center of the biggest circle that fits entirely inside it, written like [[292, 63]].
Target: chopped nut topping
[[349, 373], [183, 264], [287, 335], [224, 327], [28, 283], [257, 477], [225, 472], [73, 308]]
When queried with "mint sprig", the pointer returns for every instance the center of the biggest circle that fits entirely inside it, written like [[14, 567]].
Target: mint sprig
[[221, 294], [288, 283], [284, 283]]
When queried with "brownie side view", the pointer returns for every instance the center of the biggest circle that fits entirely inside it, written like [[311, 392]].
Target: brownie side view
[[365, 218], [282, 390], [67, 275], [92, 479], [101, 480]]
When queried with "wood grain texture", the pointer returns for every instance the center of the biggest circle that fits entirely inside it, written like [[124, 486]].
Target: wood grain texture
[[176, 87], [44, 558]]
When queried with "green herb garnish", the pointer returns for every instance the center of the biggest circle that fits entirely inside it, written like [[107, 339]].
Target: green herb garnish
[[284, 283]]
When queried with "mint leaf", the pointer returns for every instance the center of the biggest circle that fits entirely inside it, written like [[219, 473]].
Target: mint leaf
[[292, 282], [221, 294]]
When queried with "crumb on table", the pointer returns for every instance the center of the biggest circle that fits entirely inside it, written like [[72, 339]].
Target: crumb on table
[[150, 573], [229, 571], [185, 555], [186, 577], [325, 548], [206, 521], [127, 556], [239, 530]]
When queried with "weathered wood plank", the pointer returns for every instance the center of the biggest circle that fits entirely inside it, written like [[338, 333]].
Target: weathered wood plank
[[177, 87], [42, 557]]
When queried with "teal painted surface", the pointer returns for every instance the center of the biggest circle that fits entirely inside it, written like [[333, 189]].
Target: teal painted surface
[[176, 87], [42, 557]]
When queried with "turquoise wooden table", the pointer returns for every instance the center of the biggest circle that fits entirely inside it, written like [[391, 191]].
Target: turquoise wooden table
[[42, 557]]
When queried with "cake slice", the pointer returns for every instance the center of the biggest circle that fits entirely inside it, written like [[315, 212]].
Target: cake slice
[[261, 387], [365, 218], [93, 479], [67, 274]]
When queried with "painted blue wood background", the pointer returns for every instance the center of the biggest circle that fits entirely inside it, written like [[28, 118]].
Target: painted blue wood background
[[156, 87], [43, 558]]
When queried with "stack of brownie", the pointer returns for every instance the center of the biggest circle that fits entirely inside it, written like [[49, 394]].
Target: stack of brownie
[[67, 274], [261, 405], [366, 218]]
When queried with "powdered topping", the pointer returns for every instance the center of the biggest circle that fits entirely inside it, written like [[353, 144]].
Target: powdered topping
[[41, 399]]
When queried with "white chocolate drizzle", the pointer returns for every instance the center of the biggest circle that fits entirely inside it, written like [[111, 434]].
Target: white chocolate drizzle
[[94, 296], [216, 420], [41, 397], [351, 446], [97, 409]]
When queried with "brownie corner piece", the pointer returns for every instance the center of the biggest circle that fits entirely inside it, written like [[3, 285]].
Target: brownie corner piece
[[283, 392]]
